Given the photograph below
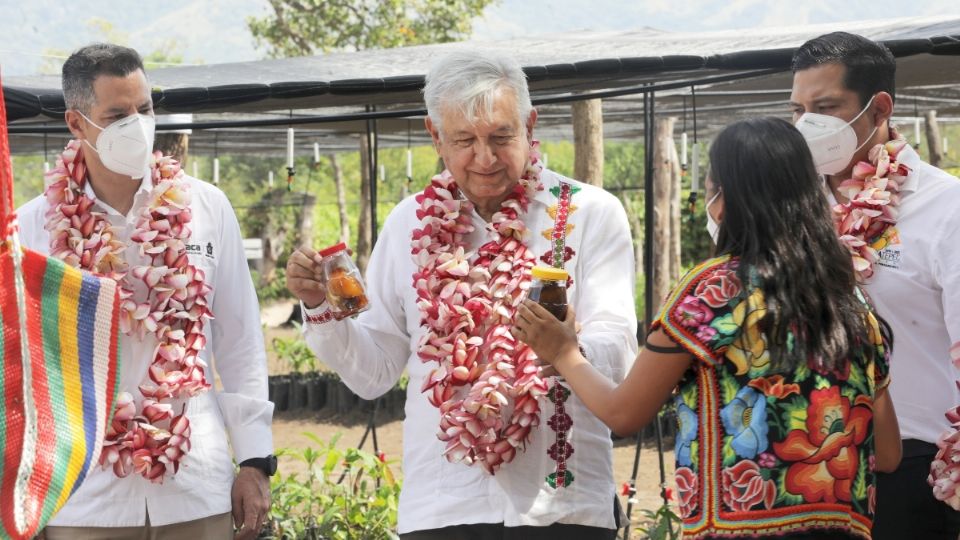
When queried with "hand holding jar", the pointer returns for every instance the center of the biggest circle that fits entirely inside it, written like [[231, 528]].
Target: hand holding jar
[[305, 277], [342, 282], [544, 321], [327, 276]]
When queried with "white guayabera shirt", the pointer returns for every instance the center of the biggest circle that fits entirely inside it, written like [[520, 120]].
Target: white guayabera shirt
[[238, 413], [371, 351], [916, 289]]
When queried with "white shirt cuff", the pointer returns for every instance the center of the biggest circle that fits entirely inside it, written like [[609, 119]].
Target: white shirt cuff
[[318, 315], [248, 422]]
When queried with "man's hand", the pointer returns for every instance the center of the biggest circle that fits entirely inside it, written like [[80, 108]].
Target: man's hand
[[251, 502], [305, 277]]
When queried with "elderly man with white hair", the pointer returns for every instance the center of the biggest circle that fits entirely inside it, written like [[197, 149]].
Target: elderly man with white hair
[[494, 446]]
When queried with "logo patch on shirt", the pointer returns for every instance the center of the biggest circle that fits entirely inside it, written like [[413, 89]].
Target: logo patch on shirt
[[889, 249], [202, 248]]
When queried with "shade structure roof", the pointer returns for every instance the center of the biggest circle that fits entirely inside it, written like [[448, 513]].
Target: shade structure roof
[[726, 74]]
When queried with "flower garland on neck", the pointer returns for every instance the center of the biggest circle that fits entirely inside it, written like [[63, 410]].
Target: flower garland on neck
[[165, 298], [865, 221], [467, 310]]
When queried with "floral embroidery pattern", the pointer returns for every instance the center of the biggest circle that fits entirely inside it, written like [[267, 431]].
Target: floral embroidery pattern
[[745, 419], [752, 442], [824, 454], [686, 433], [744, 487], [558, 255], [688, 491]]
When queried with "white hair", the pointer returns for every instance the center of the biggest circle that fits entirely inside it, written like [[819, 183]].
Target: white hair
[[469, 82]]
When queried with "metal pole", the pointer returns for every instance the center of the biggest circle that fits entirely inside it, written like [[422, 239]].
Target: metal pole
[[648, 142], [373, 150], [648, 199], [373, 145], [408, 113]]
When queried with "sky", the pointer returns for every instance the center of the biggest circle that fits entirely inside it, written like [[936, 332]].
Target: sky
[[215, 31]]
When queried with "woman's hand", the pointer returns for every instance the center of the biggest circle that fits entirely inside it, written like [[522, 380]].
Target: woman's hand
[[551, 339]]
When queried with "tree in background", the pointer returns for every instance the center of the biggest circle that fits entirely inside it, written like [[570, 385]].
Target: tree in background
[[307, 27], [166, 54]]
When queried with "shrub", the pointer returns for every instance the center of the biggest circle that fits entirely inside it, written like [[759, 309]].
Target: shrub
[[343, 495]]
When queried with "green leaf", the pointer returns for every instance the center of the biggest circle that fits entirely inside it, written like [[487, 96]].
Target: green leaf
[[728, 386], [784, 497], [793, 413], [729, 456], [857, 379], [552, 479], [688, 393], [802, 373], [725, 325]]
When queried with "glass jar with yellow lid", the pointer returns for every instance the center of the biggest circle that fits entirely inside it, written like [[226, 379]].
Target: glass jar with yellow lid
[[549, 289]]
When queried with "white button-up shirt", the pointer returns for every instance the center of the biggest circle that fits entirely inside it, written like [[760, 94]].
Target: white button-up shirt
[[371, 351], [916, 289], [239, 408]]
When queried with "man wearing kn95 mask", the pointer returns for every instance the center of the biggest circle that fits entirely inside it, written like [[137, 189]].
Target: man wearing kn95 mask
[[173, 244], [897, 217]]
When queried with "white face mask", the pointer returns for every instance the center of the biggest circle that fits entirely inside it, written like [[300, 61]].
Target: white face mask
[[832, 141], [712, 226], [126, 146]]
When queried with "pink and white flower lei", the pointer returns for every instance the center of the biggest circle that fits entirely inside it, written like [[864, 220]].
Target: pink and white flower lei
[[467, 306], [874, 195], [945, 468], [172, 305]]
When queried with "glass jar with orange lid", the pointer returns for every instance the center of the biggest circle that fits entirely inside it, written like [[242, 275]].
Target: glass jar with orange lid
[[549, 289], [344, 285]]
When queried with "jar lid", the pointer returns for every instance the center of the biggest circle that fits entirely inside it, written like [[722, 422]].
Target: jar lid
[[333, 249], [543, 272]]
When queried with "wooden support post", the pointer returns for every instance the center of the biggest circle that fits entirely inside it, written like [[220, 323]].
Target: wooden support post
[[664, 159], [933, 139], [588, 141]]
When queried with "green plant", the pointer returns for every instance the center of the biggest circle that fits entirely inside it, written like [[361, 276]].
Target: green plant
[[661, 524], [276, 289], [316, 504], [295, 353]]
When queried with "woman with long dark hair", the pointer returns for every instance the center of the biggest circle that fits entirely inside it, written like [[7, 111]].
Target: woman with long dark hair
[[779, 363]]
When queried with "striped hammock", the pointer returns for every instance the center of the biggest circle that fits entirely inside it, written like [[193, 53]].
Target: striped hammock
[[58, 352]]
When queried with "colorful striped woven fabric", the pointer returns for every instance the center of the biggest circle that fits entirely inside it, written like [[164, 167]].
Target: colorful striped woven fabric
[[59, 358]]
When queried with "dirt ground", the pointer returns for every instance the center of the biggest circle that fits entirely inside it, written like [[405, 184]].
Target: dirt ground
[[289, 429]]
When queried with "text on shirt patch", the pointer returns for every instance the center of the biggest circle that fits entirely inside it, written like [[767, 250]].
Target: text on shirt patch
[[201, 249], [889, 249]]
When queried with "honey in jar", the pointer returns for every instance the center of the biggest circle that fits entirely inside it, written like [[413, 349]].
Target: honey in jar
[[549, 289]]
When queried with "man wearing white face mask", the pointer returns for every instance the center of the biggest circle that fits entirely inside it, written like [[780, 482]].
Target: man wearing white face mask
[[173, 244], [897, 216], [125, 146]]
